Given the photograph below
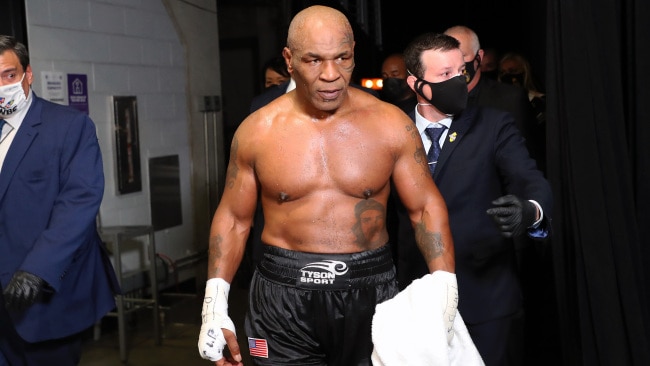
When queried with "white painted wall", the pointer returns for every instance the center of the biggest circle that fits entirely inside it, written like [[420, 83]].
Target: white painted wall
[[125, 47]]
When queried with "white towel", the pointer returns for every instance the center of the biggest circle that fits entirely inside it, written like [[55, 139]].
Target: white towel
[[409, 329]]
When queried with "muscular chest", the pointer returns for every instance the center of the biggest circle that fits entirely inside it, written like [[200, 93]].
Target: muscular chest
[[304, 161]]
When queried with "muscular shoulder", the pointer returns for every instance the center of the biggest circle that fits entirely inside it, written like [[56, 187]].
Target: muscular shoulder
[[258, 127], [382, 117]]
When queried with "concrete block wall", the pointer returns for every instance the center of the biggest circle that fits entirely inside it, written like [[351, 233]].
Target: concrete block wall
[[125, 47]]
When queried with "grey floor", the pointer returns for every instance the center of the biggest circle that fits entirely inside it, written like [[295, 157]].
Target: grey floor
[[180, 325]]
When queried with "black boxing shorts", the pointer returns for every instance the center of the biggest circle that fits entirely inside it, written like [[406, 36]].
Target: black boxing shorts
[[316, 309]]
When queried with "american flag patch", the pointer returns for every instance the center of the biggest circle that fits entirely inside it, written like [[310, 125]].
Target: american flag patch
[[258, 347]]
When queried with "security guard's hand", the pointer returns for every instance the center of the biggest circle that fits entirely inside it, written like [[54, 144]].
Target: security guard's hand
[[23, 290], [512, 215]]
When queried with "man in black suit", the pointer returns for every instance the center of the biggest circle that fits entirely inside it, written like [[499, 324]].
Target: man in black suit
[[486, 176], [491, 93], [534, 261]]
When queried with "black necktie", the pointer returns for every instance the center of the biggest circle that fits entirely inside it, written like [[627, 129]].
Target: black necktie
[[434, 134]]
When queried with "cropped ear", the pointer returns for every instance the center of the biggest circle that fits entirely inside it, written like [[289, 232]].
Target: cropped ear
[[286, 53], [410, 80], [29, 75], [480, 53]]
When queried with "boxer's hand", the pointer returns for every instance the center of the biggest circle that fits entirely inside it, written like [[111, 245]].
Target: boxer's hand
[[448, 288], [214, 317]]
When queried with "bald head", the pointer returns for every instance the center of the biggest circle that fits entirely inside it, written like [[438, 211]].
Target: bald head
[[472, 52], [468, 39], [315, 18], [320, 56]]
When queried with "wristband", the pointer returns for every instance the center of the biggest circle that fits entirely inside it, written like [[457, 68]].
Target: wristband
[[214, 316], [449, 299]]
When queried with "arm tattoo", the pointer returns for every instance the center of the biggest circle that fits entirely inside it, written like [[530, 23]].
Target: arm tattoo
[[420, 155], [413, 131], [214, 253], [231, 173], [430, 243]]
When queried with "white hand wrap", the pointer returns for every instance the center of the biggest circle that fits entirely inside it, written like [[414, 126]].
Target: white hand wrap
[[214, 316], [449, 303]]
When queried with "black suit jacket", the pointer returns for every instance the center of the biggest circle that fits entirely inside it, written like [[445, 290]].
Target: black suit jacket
[[483, 157], [513, 99]]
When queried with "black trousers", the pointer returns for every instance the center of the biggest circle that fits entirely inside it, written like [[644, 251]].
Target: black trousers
[[500, 342], [14, 351]]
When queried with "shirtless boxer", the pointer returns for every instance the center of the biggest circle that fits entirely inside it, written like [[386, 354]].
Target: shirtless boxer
[[322, 157]]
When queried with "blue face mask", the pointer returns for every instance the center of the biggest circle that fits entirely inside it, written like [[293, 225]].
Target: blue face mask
[[449, 96]]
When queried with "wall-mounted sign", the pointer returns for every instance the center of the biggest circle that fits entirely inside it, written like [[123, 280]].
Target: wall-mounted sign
[[54, 87], [78, 92]]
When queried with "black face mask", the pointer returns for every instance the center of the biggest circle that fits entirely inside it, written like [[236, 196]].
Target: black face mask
[[514, 79], [470, 71], [394, 90], [449, 96]]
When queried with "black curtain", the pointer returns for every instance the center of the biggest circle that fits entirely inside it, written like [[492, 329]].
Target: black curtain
[[13, 22], [598, 64]]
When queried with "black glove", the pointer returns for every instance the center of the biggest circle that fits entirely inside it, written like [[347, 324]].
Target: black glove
[[513, 215], [23, 290]]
